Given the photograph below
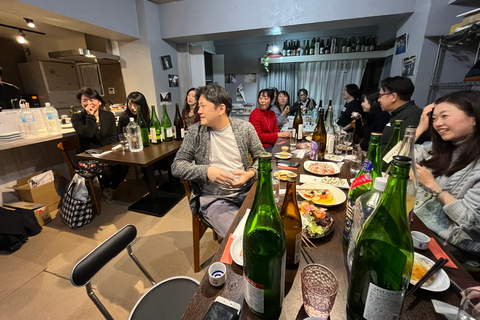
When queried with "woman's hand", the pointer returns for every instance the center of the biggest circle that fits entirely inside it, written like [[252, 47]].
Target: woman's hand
[[284, 134], [426, 178], [356, 116], [423, 125], [286, 110]]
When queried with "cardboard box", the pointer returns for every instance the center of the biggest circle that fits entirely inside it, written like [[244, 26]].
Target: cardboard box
[[45, 194], [39, 210]]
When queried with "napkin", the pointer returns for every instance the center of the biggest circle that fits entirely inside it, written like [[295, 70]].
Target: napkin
[[281, 142], [226, 256], [301, 154], [285, 167], [98, 155], [449, 311], [439, 253]]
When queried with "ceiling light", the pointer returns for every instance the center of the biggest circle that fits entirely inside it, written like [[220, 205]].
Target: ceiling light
[[21, 37], [29, 22]]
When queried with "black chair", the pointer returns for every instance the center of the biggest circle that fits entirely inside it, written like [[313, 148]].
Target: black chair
[[169, 298]]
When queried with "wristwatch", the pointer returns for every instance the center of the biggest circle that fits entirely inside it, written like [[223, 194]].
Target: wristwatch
[[436, 193]]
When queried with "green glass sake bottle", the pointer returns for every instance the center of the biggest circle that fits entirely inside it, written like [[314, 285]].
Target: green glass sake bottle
[[167, 130], [383, 259], [143, 128], [394, 139], [155, 128], [363, 182], [264, 248]]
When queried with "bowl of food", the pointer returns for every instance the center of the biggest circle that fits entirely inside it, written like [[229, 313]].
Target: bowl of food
[[316, 221]]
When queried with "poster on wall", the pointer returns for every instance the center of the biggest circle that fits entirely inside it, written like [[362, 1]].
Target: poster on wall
[[250, 77], [166, 62], [401, 44], [231, 78], [166, 98], [240, 94], [408, 66], [172, 80]]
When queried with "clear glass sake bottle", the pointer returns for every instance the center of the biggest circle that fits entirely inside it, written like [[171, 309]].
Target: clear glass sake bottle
[[167, 131], [329, 127], [363, 182], [143, 128], [394, 140], [292, 222], [383, 259], [264, 248], [155, 128]]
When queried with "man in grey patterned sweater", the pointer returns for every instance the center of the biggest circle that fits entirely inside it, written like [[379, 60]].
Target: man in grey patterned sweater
[[214, 156]]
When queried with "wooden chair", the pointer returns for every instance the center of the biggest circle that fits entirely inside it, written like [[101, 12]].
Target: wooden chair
[[68, 148], [199, 227]]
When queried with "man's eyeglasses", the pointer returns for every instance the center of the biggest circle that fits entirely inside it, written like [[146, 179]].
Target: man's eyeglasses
[[384, 94]]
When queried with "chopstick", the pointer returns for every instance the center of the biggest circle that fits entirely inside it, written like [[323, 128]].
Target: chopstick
[[306, 243], [436, 267], [305, 255], [309, 241]]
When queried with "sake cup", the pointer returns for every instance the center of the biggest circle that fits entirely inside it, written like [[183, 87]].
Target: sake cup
[[420, 240], [217, 274]]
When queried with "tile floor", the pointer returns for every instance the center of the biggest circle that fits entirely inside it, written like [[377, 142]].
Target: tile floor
[[36, 279]]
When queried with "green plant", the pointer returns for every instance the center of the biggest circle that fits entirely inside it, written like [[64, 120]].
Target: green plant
[[266, 58]]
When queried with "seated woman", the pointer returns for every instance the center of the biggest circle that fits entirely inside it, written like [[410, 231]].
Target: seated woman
[[190, 109], [374, 119], [351, 94], [265, 122], [448, 200], [134, 100], [96, 128], [281, 107]]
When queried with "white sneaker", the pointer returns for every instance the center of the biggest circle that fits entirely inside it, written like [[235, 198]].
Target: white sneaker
[[108, 193]]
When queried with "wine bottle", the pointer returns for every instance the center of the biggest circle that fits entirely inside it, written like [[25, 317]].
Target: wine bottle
[[394, 140], [264, 248], [367, 44], [298, 124], [344, 45], [167, 130], [284, 50], [307, 48], [373, 44], [327, 46], [178, 122], [333, 46], [319, 139], [155, 128], [143, 128], [383, 259], [299, 48], [312, 47], [358, 45], [329, 128], [362, 44], [322, 47], [292, 222], [363, 182]]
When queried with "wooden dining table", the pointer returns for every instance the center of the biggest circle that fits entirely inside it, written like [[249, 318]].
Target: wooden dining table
[[330, 251], [156, 202]]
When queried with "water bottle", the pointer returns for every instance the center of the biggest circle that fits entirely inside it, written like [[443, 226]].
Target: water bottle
[[52, 121], [27, 124], [134, 136]]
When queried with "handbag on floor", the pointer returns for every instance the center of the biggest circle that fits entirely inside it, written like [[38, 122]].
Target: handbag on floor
[[76, 209]]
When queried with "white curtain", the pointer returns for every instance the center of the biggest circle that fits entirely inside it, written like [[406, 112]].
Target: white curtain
[[324, 80]]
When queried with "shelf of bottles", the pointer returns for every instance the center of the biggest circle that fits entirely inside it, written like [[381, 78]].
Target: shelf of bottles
[[329, 49]]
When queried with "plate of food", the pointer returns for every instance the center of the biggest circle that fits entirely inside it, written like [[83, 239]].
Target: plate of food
[[304, 145], [334, 157], [316, 221], [283, 155], [437, 283], [337, 182], [322, 194], [321, 168], [308, 136], [281, 174], [236, 251]]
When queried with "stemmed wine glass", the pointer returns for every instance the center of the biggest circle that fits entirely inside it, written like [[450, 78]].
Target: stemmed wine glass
[[348, 140]]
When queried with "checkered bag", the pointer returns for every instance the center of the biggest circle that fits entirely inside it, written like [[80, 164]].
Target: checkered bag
[[74, 212]]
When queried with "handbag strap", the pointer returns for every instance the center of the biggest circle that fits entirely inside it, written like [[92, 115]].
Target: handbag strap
[[71, 187]]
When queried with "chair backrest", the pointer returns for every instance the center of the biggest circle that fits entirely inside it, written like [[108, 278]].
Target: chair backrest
[[68, 149]]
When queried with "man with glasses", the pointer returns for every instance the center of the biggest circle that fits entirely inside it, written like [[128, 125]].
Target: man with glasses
[[304, 103], [394, 97], [215, 156]]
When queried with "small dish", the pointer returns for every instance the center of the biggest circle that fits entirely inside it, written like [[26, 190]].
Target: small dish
[[440, 283], [420, 240], [326, 168], [281, 156], [334, 157], [281, 174], [236, 251], [338, 195]]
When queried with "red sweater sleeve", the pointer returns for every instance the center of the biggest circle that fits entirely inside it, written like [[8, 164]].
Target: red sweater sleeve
[[265, 123]]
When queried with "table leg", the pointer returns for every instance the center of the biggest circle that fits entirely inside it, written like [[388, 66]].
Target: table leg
[[152, 185]]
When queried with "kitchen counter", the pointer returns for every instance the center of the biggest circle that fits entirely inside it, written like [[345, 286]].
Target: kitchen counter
[[17, 143]]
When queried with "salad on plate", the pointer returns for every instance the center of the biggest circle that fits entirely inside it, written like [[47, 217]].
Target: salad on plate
[[316, 221]]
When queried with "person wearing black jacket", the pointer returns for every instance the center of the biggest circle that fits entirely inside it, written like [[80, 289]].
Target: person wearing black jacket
[[96, 128], [351, 94], [304, 103], [135, 100]]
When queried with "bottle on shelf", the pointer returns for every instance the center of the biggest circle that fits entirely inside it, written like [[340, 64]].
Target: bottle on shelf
[[292, 222], [307, 48], [28, 126], [284, 50], [362, 44], [329, 127], [333, 47], [51, 119], [312, 47], [373, 44], [299, 48], [367, 44], [167, 131], [327, 46], [289, 49], [322, 47], [155, 128], [144, 130], [344, 45], [298, 124], [383, 259], [363, 182], [358, 45], [134, 136], [393, 145], [364, 207], [264, 248], [319, 139], [178, 123]]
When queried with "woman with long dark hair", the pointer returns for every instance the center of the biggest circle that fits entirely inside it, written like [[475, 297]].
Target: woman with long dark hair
[[190, 109], [281, 107], [135, 100], [448, 201]]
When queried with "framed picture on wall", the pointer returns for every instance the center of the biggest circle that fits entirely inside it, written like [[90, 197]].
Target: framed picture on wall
[[408, 66], [401, 44], [166, 62], [172, 80]]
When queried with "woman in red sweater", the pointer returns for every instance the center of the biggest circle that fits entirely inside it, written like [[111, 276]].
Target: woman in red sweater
[[265, 121]]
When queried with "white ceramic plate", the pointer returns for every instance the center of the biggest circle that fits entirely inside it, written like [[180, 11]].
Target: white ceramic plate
[[279, 156], [441, 281], [236, 250], [334, 157], [281, 174], [306, 164], [338, 195]]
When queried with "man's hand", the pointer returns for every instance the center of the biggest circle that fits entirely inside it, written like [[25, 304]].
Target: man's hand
[[217, 175], [243, 177]]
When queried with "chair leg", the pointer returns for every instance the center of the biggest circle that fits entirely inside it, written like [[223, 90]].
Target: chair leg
[[93, 195], [215, 235], [196, 243]]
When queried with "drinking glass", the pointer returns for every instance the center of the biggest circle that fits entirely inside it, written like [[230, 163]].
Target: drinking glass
[[319, 289], [122, 138], [293, 139], [348, 140], [276, 189], [470, 305], [355, 162], [339, 143]]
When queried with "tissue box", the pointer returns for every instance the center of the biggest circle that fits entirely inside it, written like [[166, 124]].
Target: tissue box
[[45, 194], [39, 210]]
